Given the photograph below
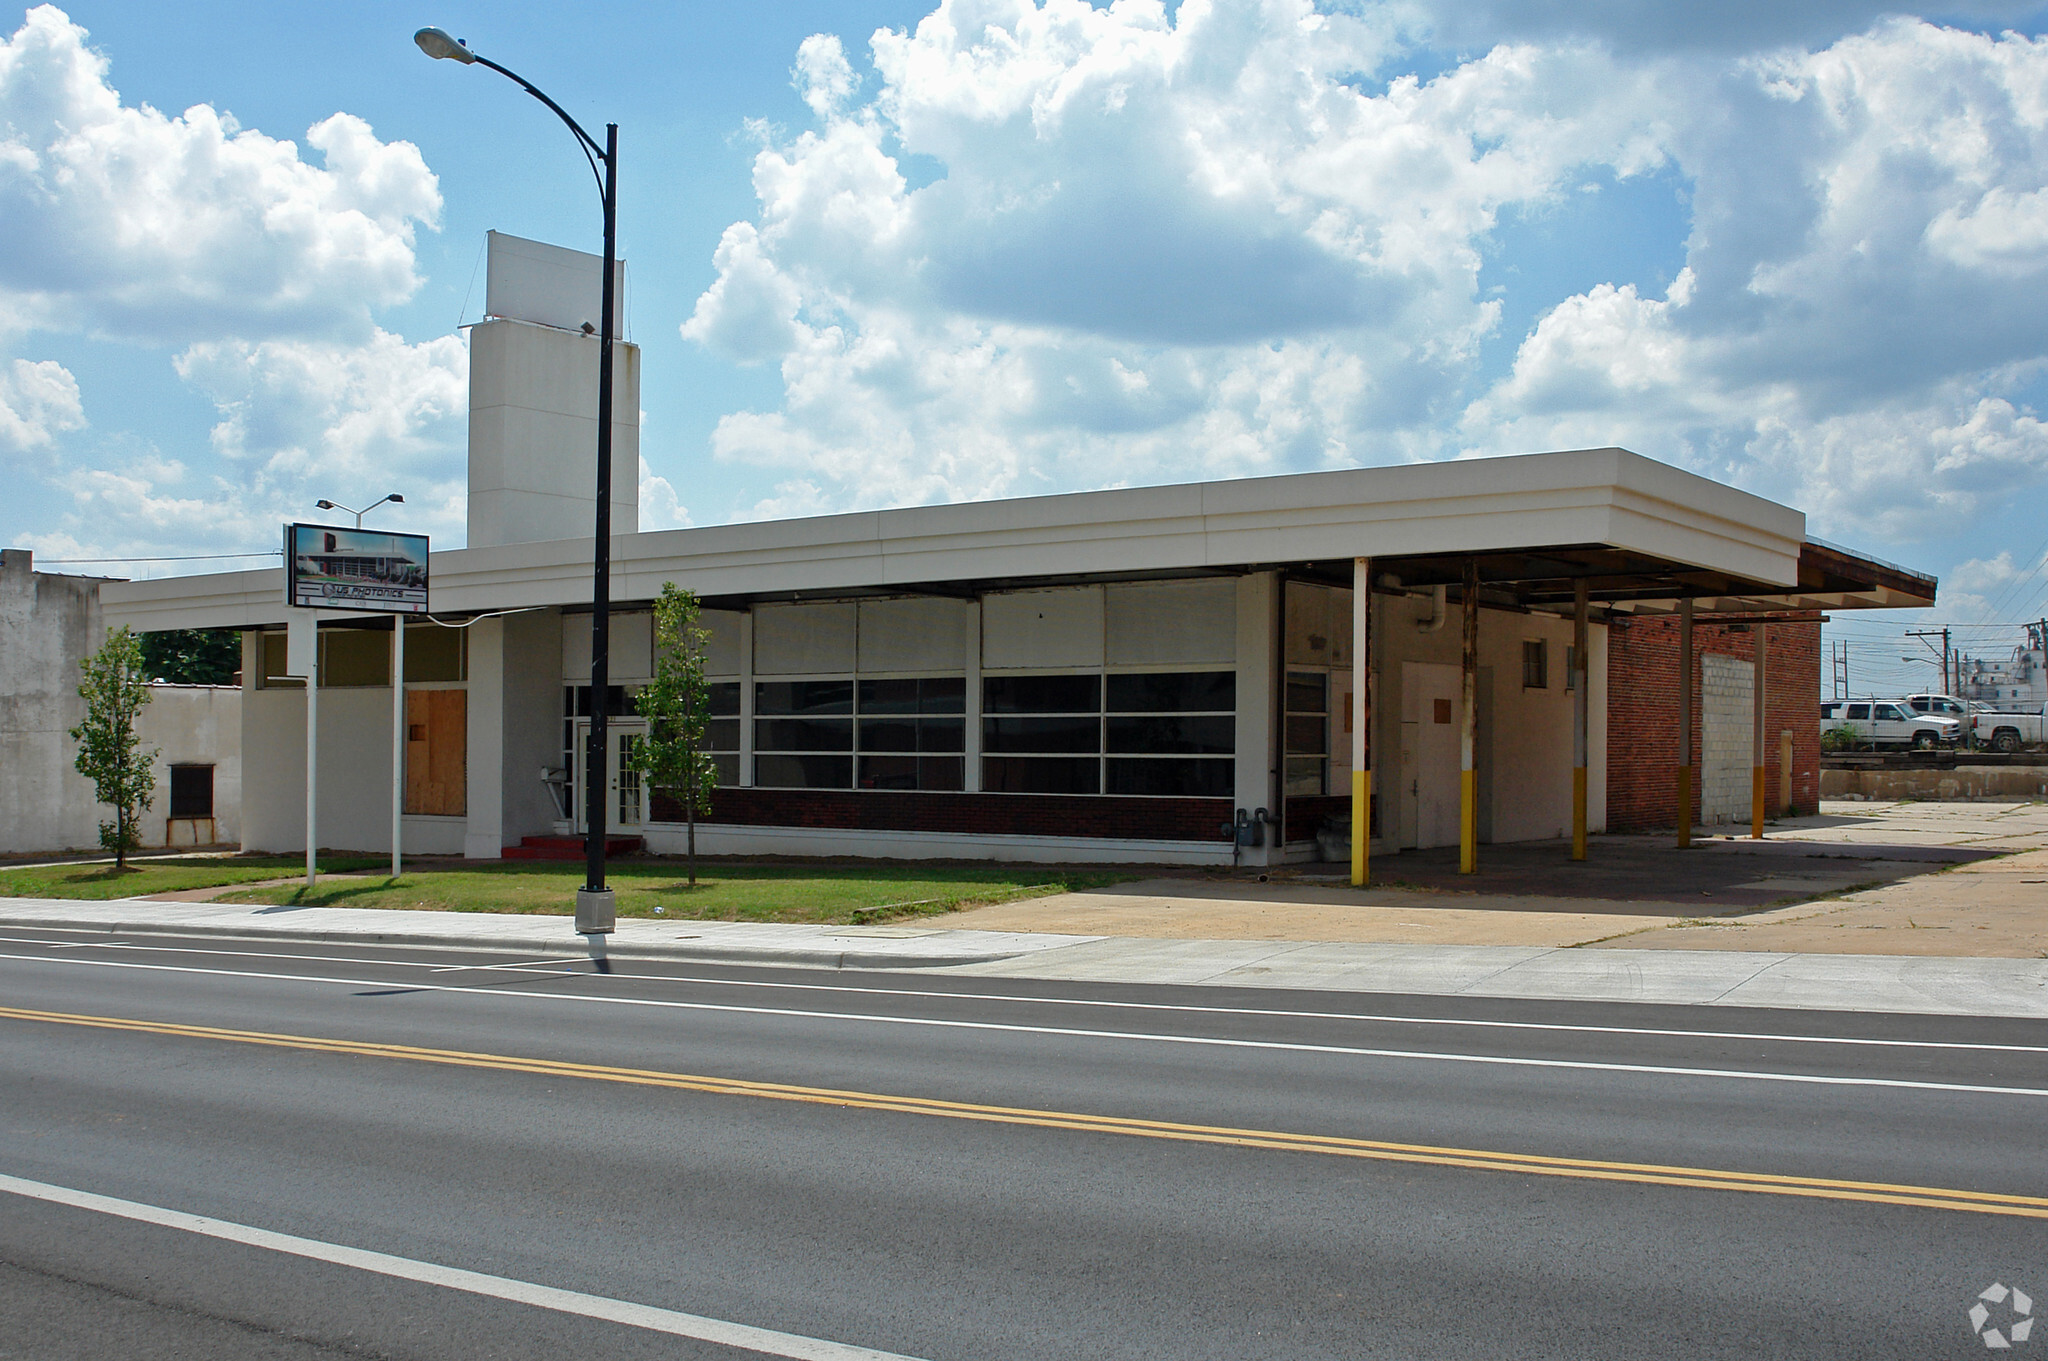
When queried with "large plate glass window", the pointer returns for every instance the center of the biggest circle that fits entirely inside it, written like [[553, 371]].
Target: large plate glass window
[[912, 732], [1171, 733], [1150, 733], [722, 734], [803, 734], [1041, 734]]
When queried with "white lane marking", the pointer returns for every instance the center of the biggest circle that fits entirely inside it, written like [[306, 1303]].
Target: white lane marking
[[1116, 1004], [514, 967], [762, 1340], [940, 1023]]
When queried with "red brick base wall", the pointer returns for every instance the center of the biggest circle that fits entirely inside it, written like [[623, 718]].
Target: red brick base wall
[[1642, 714], [1306, 816], [880, 810]]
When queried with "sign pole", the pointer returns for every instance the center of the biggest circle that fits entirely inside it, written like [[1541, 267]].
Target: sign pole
[[313, 763], [397, 740], [327, 566]]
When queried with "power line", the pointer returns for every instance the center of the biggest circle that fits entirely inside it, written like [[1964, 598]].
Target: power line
[[189, 557]]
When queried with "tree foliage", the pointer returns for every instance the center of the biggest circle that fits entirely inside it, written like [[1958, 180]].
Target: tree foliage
[[192, 656], [110, 754], [677, 706]]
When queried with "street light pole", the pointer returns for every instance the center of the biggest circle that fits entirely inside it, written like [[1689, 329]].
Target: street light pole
[[596, 910], [394, 498]]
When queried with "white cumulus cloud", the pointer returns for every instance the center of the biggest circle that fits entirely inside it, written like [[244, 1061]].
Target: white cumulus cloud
[[129, 222], [38, 399], [1061, 245], [1859, 316]]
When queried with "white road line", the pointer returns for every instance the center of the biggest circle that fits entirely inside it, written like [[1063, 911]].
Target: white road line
[[1105, 1003], [1069, 1032], [762, 1340]]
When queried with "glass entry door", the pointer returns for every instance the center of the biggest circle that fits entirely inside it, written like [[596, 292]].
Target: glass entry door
[[624, 786]]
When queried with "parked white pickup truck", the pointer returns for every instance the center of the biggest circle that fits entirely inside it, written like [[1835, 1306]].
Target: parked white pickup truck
[[2010, 732], [1883, 723]]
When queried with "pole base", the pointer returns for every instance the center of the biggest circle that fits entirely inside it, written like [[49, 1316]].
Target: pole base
[[597, 912]]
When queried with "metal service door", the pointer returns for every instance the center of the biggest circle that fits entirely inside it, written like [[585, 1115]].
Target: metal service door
[[1430, 698]]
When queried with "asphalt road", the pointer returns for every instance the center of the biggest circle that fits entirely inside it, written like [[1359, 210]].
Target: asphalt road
[[630, 1162]]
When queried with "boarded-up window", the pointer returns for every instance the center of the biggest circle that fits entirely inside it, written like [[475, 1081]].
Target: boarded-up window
[[437, 752], [191, 791]]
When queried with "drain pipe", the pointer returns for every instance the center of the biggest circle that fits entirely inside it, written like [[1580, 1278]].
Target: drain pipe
[[1439, 601]]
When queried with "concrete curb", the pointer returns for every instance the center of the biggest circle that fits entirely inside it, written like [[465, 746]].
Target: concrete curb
[[706, 952]]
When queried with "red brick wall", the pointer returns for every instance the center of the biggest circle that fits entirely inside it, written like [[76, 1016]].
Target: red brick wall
[[1642, 713], [1306, 815], [884, 810]]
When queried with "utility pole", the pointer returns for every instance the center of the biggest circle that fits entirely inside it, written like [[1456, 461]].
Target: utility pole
[[1923, 635], [1841, 668]]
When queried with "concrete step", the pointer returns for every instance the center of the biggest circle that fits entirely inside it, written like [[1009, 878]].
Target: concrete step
[[570, 847]]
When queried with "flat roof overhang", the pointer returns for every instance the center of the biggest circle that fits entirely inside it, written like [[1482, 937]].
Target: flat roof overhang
[[1643, 534]]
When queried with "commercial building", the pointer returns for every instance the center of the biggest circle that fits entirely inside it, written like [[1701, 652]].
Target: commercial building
[[1162, 674]]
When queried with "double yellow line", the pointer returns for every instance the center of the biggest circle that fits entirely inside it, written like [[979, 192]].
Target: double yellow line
[[1649, 1174]]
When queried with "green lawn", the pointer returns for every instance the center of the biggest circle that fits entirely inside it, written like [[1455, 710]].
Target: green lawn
[[101, 881], [756, 893]]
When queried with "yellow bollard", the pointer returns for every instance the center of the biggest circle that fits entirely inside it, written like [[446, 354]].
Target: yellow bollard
[[1361, 825]]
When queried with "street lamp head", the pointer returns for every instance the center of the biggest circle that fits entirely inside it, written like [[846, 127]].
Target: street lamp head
[[395, 499], [324, 505], [436, 43]]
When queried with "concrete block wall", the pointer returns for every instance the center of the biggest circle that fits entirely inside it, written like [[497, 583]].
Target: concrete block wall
[[1642, 713], [1727, 690]]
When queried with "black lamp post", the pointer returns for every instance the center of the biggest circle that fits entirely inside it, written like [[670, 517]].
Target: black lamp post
[[595, 906]]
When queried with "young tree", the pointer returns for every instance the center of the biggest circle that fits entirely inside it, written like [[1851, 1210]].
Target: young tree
[[110, 753], [677, 705]]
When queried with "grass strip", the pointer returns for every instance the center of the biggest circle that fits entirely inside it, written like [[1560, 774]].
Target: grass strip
[[799, 893]]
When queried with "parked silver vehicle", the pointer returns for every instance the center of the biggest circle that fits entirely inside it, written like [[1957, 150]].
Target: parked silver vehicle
[[1948, 706], [1847, 723]]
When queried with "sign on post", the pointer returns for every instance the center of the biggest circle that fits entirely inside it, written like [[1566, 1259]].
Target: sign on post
[[330, 567], [371, 571]]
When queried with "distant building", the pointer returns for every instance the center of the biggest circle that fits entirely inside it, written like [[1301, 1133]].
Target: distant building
[[2019, 681], [49, 623]]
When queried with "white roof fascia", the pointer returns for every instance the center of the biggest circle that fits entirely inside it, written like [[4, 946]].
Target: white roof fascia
[[1596, 496]]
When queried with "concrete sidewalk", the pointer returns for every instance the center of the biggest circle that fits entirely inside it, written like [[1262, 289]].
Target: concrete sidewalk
[[1963, 987], [831, 947], [1870, 879]]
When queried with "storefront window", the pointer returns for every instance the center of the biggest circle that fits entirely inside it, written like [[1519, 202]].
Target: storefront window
[[1152, 733]]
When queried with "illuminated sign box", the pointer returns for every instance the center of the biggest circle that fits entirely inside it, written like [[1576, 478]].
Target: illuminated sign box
[[328, 567]]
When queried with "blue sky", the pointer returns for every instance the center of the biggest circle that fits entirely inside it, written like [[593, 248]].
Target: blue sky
[[910, 252]]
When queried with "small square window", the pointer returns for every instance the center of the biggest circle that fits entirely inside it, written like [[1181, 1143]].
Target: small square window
[[191, 791], [1535, 664]]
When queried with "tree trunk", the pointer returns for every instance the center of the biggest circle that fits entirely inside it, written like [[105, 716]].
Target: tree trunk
[[121, 818]]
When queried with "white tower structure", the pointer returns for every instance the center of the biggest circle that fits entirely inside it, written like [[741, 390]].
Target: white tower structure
[[533, 399]]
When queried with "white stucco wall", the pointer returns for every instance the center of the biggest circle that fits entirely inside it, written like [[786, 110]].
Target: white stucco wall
[[49, 623], [355, 772], [194, 725]]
